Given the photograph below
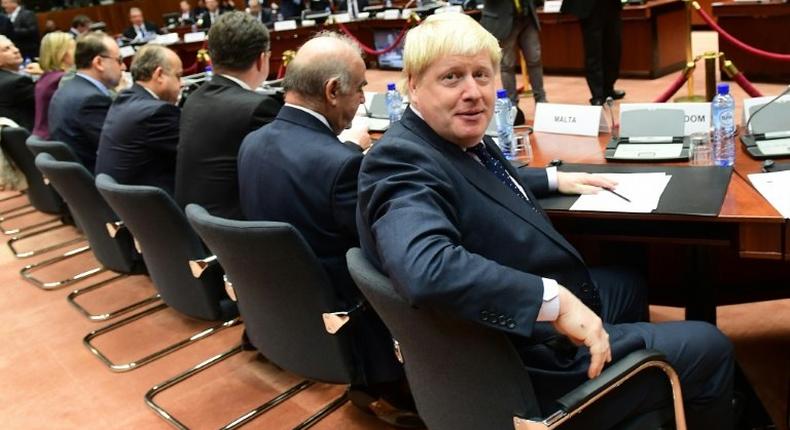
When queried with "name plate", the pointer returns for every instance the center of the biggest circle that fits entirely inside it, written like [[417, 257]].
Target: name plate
[[389, 14], [696, 115], [197, 36], [552, 6], [285, 25], [451, 9], [578, 120], [166, 39], [341, 18]]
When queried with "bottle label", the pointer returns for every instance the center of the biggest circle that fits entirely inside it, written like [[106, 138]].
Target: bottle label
[[725, 118]]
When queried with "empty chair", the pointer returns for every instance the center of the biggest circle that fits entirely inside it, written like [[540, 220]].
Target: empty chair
[[465, 376], [114, 252], [168, 245], [284, 298], [42, 197]]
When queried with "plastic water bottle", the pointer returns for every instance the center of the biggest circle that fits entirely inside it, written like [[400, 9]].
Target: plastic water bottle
[[504, 125], [209, 72], [23, 67], [394, 103], [723, 121]]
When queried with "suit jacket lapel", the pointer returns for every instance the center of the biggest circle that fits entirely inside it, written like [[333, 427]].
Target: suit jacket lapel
[[485, 181]]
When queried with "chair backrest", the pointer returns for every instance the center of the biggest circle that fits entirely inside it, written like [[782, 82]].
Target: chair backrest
[[75, 184], [42, 196], [462, 375], [168, 243], [57, 149], [282, 292]]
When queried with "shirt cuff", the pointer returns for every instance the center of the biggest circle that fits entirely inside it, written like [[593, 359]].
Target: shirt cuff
[[551, 175], [550, 309]]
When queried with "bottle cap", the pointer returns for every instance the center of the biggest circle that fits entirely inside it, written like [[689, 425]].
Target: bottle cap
[[723, 88], [390, 86], [501, 93]]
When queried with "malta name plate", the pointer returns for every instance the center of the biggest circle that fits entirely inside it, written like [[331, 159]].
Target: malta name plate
[[580, 120]]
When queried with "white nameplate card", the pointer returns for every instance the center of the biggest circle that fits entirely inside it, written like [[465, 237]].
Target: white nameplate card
[[285, 25], [696, 115], [341, 18], [308, 22], [405, 13], [127, 51], [552, 6], [451, 9], [579, 120], [197, 36], [749, 104], [167, 39], [363, 15]]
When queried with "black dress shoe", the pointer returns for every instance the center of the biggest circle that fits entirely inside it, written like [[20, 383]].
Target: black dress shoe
[[384, 410], [520, 118], [617, 94], [596, 101]]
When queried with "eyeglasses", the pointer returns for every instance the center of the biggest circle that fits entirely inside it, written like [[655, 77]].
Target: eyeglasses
[[118, 59]]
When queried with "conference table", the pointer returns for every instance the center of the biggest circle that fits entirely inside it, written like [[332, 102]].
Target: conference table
[[693, 251]]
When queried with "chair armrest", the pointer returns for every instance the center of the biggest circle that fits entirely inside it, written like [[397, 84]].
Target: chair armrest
[[611, 378], [199, 266], [334, 321], [114, 227]]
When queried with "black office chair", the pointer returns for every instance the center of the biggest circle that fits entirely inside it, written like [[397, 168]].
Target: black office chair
[[168, 245], [484, 385], [57, 149], [114, 252], [41, 196], [287, 304]]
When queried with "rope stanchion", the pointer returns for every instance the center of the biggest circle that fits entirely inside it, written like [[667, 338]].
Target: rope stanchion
[[740, 79], [370, 51], [708, 20], [286, 59], [673, 88]]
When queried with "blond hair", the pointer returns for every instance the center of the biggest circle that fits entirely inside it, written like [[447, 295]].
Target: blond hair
[[54, 47], [446, 34]]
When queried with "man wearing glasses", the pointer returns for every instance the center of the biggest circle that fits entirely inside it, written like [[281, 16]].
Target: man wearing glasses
[[79, 106]]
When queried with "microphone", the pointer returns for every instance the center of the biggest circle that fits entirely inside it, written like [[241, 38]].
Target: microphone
[[609, 103], [751, 117]]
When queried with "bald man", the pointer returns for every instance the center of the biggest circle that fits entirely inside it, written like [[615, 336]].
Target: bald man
[[300, 154]]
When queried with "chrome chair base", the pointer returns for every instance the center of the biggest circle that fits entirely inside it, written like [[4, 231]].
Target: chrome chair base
[[27, 271], [47, 248], [72, 298], [16, 212], [125, 367], [235, 423], [29, 227]]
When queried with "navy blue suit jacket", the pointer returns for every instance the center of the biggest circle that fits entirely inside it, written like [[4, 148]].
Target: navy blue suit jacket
[[76, 116], [214, 121], [17, 98], [295, 170], [139, 140]]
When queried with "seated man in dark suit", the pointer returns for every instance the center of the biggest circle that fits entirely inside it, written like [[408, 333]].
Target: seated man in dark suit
[[140, 30], [79, 106], [140, 135], [26, 35], [219, 114], [300, 154], [458, 229], [210, 16], [80, 25], [262, 14], [17, 92], [186, 14], [6, 27]]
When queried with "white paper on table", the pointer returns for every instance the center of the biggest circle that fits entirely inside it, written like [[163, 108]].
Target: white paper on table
[[643, 189], [775, 187]]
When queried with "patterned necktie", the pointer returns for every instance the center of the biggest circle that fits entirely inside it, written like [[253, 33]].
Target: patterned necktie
[[495, 166]]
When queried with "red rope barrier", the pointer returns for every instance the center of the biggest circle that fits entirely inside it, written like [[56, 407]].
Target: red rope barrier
[[371, 51], [281, 71], [708, 20], [669, 92], [746, 85]]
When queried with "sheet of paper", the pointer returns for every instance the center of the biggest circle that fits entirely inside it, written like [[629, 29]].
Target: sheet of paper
[[774, 187], [648, 151], [774, 146], [642, 189]]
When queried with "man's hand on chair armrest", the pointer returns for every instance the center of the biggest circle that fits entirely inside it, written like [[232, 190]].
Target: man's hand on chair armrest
[[583, 326]]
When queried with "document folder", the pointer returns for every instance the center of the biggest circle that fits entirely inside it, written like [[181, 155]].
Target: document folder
[[650, 135]]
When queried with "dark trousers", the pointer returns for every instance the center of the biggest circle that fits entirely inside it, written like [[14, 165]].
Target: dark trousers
[[699, 352], [602, 35]]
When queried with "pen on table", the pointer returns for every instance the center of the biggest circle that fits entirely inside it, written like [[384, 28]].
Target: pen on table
[[618, 194]]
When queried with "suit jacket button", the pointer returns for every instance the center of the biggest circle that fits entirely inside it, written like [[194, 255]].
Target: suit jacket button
[[511, 325], [585, 288]]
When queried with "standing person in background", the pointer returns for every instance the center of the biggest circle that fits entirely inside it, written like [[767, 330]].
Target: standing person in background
[[515, 24], [56, 57], [16, 90], [602, 35], [25, 35]]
